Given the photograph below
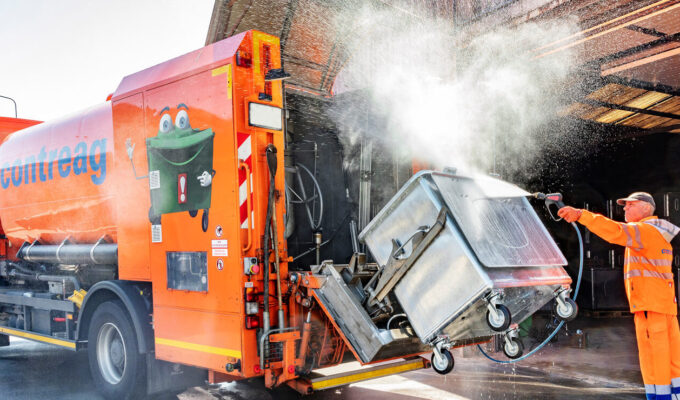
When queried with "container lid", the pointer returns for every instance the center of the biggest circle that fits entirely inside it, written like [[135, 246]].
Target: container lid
[[179, 139], [502, 231]]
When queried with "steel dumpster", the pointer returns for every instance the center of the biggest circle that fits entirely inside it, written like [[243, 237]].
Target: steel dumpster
[[492, 249]]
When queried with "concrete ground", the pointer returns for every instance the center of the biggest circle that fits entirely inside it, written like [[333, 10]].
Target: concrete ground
[[603, 366]]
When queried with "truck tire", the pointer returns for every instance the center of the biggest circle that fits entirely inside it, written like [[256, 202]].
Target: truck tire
[[117, 368]]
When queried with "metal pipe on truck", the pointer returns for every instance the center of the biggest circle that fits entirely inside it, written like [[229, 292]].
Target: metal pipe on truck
[[98, 254]]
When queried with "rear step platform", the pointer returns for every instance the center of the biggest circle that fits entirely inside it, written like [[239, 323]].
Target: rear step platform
[[344, 377]]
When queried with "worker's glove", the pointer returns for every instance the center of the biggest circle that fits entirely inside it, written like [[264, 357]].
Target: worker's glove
[[570, 214], [205, 179]]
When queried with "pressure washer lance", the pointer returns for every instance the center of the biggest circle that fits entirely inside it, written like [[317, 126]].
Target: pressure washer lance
[[272, 163], [550, 199]]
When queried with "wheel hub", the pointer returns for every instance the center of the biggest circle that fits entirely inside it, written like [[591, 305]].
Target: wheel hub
[[440, 362], [496, 318], [110, 350], [564, 309], [117, 352]]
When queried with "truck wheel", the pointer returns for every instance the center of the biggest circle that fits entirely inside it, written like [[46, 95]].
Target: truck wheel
[[193, 213], [117, 368]]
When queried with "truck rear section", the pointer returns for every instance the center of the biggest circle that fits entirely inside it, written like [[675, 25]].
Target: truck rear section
[[155, 231]]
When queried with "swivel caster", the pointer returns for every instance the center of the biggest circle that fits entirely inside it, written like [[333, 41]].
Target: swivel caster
[[513, 347], [442, 361], [498, 317], [565, 307]]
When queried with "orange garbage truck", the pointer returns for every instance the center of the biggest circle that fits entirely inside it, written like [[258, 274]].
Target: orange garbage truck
[[151, 230]]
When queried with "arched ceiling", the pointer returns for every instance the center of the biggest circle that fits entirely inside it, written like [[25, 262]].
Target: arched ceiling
[[630, 49]]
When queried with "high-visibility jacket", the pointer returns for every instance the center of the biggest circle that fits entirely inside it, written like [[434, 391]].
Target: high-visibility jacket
[[648, 258]]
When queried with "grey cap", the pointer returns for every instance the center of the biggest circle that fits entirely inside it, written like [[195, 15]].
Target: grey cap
[[637, 196]]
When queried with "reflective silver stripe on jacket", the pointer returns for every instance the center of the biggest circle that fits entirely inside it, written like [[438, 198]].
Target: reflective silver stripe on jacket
[[653, 261], [647, 274], [667, 230], [637, 237], [629, 239]]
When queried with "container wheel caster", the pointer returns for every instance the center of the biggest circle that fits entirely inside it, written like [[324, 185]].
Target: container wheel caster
[[444, 364], [204, 220], [498, 317], [193, 213], [513, 348], [566, 310]]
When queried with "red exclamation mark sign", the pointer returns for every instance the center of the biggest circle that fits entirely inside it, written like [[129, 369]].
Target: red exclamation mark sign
[[182, 188]]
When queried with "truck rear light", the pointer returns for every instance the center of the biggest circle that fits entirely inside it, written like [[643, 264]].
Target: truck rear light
[[251, 308], [250, 294], [243, 59], [257, 369], [252, 322]]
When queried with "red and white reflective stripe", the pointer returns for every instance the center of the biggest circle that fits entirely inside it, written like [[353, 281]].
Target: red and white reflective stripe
[[245, 152]]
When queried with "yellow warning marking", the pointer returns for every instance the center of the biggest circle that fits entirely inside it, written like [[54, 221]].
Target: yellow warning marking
[[40, 338], [258, 39], [229, 80], [362, 376], [221, 70], [225, 69], [199, 347]]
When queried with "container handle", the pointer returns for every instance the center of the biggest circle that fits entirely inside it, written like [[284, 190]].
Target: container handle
[[242, 165], [179, 164]]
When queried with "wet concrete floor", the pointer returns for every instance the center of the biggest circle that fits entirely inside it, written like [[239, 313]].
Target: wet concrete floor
[[603, 366]]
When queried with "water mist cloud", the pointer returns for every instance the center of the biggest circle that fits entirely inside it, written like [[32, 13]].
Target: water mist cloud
[[453, 103]]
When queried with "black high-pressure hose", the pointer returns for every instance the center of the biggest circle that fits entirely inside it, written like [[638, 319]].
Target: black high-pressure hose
[[271, 164], [267, 233]]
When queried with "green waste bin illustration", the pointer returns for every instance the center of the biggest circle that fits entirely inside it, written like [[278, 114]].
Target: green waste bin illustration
[[180, 168]]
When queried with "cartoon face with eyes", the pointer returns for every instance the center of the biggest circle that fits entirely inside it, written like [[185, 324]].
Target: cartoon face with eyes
[[180, 128], [181, 125]]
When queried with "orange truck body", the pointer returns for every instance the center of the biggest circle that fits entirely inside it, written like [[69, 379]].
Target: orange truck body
[[86, 178]]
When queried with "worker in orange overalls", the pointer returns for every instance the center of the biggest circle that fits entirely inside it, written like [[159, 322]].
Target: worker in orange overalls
[[649, 286]]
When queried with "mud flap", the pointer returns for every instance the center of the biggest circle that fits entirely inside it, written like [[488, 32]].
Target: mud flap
[[163, 376]]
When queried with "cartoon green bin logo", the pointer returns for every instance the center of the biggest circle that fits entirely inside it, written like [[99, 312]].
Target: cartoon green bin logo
[[180, 167]]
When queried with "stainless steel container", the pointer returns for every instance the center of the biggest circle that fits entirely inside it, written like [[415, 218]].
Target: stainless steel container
[[492, 242]]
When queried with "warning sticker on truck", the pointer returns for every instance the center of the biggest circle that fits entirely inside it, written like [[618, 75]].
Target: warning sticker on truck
[[220, 244], [220, 252], [156, 234], [154, 179]]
